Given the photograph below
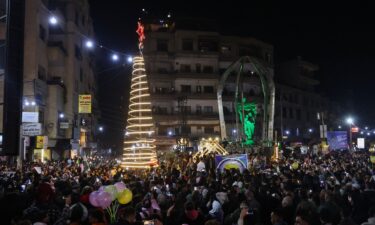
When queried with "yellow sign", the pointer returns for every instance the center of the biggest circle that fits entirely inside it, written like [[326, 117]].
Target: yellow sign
[[39, 142], [84, 104]]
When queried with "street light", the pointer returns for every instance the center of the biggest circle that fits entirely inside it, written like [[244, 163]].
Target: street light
[[53, 20], [114, 57], [101, 129], [350, 121], [310, 130], [89, 44]]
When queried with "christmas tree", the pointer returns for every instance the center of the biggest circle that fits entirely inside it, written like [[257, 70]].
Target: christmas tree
[[139, 145]]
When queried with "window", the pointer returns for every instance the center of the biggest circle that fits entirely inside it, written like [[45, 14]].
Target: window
[[225, 49], [185, 68], [285, 98], [284, 112], [186, 109], [76, 18], [206, 45], [268, 57], [250, 50], [208, 109], [81, 75], [186, 130], [185, 88], [42, 33], [307, 116], [162, 70], [198, 68], [199, 89], [162, 130], [42, 73], [208, 69], [208, 89], [187, 45], [199, 109], [296, 98], [76, 85], [291, 113], [83, 20], [162, 45], [298, 114], [251, 92], [208, 130], [77, 52], [41, 116]]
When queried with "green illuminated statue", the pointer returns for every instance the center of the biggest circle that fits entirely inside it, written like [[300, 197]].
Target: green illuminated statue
[[250, 111]]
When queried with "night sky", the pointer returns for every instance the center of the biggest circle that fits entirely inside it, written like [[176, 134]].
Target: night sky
[[339, 38]]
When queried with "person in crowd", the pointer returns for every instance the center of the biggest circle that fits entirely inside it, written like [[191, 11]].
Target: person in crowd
[[337, 188], [371, 219]]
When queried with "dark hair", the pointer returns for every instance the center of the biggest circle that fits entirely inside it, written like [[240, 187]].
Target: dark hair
[[96, 214], [279, 212], [371, 211], [76, 213], [212, 222], [127, 211], [189, 206]]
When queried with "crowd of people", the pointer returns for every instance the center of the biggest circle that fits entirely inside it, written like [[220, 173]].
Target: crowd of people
[[331, 189]]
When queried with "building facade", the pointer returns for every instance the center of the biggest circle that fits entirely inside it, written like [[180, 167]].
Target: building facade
[[57, 69], [184, 67], [300, 110]]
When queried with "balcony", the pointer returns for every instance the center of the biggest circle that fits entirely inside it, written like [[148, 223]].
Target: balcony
[[163, 115]]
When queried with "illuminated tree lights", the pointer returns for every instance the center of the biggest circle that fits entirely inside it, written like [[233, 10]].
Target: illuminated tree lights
[[139, 147]]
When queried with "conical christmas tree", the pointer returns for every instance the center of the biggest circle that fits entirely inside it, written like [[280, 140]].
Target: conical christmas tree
[[139, 149]]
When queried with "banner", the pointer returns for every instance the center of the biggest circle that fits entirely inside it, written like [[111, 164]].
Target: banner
[[39, 142], [30, 117], [31, 129], [337, 140], [361, 143], [231, 162], [84, 104]]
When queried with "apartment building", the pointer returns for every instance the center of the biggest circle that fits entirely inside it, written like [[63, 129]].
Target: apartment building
[[57, 68], [186, 62], [300, 109]]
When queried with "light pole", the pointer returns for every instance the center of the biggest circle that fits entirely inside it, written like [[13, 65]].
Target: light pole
[[350, 121]]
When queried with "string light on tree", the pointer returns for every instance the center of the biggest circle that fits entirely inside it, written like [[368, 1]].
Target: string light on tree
[[139, 146]]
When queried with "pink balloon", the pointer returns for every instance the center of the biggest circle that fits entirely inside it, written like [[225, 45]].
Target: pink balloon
[[104, 199], [93, 198], [101, 189], [120, 186]]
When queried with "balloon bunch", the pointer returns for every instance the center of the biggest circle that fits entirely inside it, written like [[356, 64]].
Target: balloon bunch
[[295, 165], [106, 198]]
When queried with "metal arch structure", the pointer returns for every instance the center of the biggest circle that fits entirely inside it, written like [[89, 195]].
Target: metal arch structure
[[268, 88]]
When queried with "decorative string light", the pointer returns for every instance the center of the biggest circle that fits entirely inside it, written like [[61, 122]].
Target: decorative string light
[[139, 149], [89, 43], [55, 20]]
